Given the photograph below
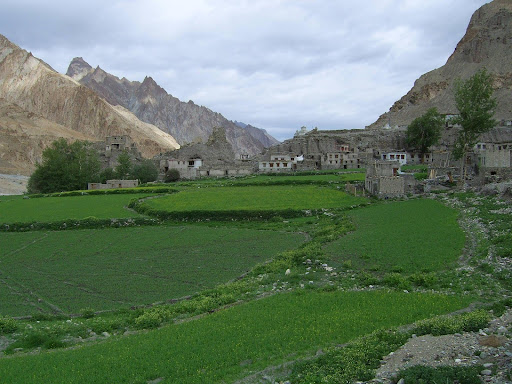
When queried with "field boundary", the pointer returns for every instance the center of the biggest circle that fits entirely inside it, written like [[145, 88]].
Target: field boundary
[[236, 215], [87, 223]]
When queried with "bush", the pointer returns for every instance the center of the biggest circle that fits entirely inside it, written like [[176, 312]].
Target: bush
[[148, 320], [444, 325], [396, 280], [172, 175], [87, 313], [424, 374], [7, 325], [356, 361]]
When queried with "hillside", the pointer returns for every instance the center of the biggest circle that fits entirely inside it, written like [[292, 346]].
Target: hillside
[[187, 122], [486, 44], [259, 134], [38, 105]]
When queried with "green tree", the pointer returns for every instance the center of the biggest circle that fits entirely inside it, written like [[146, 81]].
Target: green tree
[[425, 131], [65, 167], [124, 166], [476, 104], [145, 171], [107, 174]]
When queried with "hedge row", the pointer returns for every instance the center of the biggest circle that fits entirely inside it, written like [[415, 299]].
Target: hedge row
[[87, 223], [118, 191]]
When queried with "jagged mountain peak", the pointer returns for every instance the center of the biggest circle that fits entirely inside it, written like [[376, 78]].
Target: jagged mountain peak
[[59, 103], [185, 121], [78, 68]]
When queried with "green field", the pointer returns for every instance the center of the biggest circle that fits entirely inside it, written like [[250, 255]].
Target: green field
[[334, 178], [409, 236], [255, 198], [61, 208], [230, 344], [118, 268]]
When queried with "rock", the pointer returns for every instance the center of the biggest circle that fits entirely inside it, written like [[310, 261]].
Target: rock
[[401, 381], [483, 46], [288, 271], [486, 372], [105, 334], [186, 121]]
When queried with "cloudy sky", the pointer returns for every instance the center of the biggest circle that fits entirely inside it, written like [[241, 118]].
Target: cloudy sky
[[276, 64]]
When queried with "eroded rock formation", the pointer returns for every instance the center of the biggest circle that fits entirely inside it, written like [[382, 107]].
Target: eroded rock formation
[[187, 122], [38, 105]]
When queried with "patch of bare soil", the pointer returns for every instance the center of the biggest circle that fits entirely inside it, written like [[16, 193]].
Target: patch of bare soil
[[13, 184], [490, 347]]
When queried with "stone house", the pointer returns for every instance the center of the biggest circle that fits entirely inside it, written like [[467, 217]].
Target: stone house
[[215, 158], [112, 184], [383, 180], [401, 157], [113, 146], [280, 163]]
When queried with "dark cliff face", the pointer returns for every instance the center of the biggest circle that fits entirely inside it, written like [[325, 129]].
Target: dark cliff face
[[187, 122], [487, 43]]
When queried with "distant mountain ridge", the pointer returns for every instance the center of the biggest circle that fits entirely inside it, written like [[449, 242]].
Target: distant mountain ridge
[[38, 105], [259, 134], [486, 44], [187, 122]]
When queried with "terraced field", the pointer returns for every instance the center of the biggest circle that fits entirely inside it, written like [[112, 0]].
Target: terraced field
[[264, 198], [232, 343], [61, 208], [310, 281], [118, 268]]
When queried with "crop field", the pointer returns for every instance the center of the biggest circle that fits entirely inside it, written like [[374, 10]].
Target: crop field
[[61, 208], [231, 343], [117, 268], [255, 198], [408, 236], [334, 178]]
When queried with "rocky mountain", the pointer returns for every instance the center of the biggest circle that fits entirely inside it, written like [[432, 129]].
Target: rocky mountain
[[187, 122], [259, 134], [487, 43], [39, 105]]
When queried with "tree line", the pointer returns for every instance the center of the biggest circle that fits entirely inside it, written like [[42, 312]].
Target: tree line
[[70, 166]]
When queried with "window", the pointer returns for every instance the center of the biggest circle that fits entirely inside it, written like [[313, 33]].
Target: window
[[271, 165], [285, 165], [264, 165], [277, 165]]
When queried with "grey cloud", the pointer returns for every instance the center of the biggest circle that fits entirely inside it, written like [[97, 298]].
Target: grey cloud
[[277, 64]]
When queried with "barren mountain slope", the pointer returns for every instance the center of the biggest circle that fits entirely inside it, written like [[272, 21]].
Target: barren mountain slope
[[187, 122], [36, 88], [487, 43], [24, 135]]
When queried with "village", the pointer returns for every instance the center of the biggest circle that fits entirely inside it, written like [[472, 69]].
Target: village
[[382, 153]]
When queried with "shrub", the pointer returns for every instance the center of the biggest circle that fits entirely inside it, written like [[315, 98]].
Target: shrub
[[172, 175], [423, 374], [444, 325], [87, 313], [356, 361], [148, 320], [7, 325], [396, 280]]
